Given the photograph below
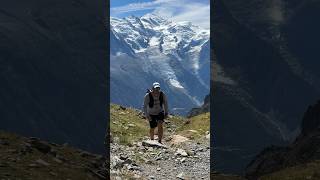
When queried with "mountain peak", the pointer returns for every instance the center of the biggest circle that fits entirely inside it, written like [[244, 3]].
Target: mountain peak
[[154, 18]]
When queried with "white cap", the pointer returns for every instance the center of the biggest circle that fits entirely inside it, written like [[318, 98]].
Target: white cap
[[155, 85]]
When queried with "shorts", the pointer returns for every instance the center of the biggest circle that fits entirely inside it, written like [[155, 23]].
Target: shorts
[[155, 119]]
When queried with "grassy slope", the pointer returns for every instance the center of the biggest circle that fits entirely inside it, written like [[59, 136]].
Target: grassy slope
[[16, 163], [305, 171], [200, 124], [226, 177], [122, 118]]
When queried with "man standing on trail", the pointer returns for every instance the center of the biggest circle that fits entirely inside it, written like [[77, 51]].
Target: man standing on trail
[[155, 108]]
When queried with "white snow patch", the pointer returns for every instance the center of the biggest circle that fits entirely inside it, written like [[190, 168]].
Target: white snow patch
[[175, 83], [154, 41]]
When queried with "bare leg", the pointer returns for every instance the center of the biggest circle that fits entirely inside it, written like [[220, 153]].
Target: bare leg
[[151, 133], [160, 131]]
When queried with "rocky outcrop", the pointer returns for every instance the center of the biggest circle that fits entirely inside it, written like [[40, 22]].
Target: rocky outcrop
[[304, 149], [199, 110], [33, 158]]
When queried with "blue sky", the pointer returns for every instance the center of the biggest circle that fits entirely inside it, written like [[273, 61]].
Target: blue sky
[[196, 11]]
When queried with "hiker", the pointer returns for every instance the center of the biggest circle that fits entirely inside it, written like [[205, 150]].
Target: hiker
[[155, 108]]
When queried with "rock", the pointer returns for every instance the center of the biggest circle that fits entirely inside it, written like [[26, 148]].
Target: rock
[[123, 108], [123, 157], [128, 161], [158, 169], [177, 139], [181, 152], [181, 176], [151, 143], [42, 162], [188, 121], [131, 125], [208, 136], [158, 158], [86, 154], [193, 131], [133, 168], [61, 158], [139, 144], [183, 160], [136, 176], [3, 142], [151, 177], [190, 152], [116, 162], [34, 138], [4, 164], [40, 146], [57, 160], [53, 173], [53, 144], [33, 165]]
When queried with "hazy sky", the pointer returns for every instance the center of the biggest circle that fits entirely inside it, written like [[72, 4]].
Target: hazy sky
[[196, 11]]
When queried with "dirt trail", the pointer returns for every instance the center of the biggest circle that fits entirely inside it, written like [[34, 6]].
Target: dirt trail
[[182, 159]]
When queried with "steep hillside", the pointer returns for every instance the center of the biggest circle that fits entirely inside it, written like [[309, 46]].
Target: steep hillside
[[53, 59], [301, 158], [34, 159], [261, 85]]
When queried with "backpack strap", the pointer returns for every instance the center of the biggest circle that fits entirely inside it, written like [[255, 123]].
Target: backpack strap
[[161, 98], [150, 100]]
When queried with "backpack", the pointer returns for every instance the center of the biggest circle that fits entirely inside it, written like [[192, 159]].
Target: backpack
[[151, 98]]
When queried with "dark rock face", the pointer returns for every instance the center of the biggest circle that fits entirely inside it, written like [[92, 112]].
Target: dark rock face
[[304, 149], [260, 84], [53, 65], [311, 120], [203, 109]]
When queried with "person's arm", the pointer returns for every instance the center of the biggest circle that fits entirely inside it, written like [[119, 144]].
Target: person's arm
[[165, 104], [145, 105]]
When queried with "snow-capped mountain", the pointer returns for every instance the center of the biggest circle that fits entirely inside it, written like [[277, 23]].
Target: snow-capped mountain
[[150, 48]]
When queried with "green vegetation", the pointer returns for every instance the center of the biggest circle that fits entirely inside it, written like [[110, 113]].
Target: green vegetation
[[196, 127], [129, 126], [305, 171]]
